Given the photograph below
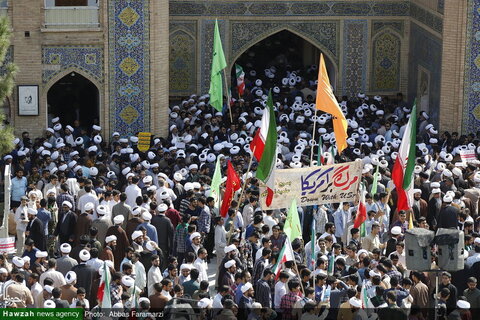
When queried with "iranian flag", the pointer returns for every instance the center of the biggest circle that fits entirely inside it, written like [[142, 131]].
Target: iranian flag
[[286, 254], [240, 80], [103, 293], [264, 148], [402, 173], [362, 209]]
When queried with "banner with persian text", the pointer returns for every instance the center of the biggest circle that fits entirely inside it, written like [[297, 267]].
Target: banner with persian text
[[315, 185]]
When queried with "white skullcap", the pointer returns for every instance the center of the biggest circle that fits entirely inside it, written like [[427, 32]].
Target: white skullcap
[[70, 277], [354, 302], [462, 304], [396, 230], [436, 190], [93, 171], [49, 304], [230, 248], [118, 219], [204, 303], [17, 261], [185, 266], [3, 271], [65, 248], [229, 264], [435, 184], [162, 207], [41, 254], [147, 179], [95, 127], [84, 255], [137, 211], [146, 216], [178, 176], [361, 251], [101, 210], [66, 203], [194, 235], [89, 206], [247, 286], [136, 234], [447, 199], [32, 211], [110, 238], [417, 191], [128, 281]]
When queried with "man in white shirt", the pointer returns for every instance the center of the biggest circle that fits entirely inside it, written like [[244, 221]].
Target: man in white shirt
[[201, 265], [21, 219], [217, 300], [270, 221], [220, 239], [132, 192], [154, 274], [329, 231], [475, 257], [35, 287], [281, 289], [86, 198], [57, 277]]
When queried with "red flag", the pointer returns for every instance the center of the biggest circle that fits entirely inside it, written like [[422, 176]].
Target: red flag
[[233, 184], [362, 209]]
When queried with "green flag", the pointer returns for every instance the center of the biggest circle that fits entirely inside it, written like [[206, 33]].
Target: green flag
[[375, 182], [216, 182], [320, 152], [292, 226], [218, 64]]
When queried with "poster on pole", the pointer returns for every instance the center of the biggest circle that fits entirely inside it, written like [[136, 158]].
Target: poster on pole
[[314, 185]]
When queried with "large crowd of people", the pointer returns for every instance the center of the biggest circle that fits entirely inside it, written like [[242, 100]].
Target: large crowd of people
[[83, 201]]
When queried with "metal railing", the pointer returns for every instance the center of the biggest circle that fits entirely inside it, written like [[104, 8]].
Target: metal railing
[[71, 17]]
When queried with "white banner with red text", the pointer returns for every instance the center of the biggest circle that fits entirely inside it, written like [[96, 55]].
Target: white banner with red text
[[315, 185]]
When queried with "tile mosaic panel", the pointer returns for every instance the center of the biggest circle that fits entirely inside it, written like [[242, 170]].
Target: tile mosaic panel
[[355, 48], [129, 36], [56, 59]]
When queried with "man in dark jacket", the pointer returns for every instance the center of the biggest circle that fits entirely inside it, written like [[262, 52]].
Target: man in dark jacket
[[85, 273], [448, 216], [164, 229], [59, 303], [66, 224]]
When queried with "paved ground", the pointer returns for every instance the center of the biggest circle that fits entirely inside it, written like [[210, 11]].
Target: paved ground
[[212, 273]]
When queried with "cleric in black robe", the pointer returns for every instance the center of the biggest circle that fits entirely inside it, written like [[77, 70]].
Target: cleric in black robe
[[35, 230]]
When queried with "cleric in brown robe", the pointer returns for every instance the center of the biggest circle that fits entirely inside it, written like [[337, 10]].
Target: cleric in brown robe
[[84, 222], [110, 244], [133, 223], [122, 240]]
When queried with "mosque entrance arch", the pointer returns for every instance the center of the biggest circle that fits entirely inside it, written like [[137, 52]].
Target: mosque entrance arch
[[74, 98], [284, 50]]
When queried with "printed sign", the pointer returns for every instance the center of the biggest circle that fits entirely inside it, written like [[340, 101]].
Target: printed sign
[[315, 185], [468, 155], [7, 245], [144, 141]]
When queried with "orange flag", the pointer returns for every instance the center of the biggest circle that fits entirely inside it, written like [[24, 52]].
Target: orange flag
[[327, 102]]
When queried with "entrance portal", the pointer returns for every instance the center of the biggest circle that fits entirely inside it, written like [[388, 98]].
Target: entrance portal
[[74, 97], [286, 51]]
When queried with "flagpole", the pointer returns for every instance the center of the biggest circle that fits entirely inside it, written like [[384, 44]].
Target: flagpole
[[246, 177], [228, 96], [313, 137]]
